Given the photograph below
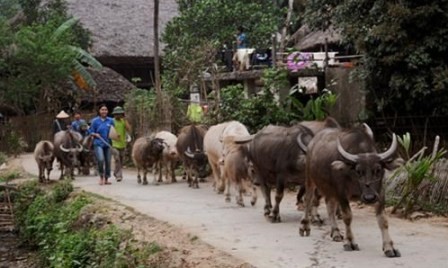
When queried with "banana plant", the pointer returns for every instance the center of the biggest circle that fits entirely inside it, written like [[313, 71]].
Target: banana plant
[[80, 76]]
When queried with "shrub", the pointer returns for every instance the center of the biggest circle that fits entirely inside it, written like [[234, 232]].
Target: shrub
[[45, 221], [411, 183], [3, 158]]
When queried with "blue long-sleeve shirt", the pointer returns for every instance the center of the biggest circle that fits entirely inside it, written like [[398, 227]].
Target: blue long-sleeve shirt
[[102, 127]]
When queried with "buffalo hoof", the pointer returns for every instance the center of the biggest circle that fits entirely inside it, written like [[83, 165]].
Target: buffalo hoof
[[351, 247], [173, 180], [316, 220], [227, 199], [304, 231], [240, 203], [253, 202], [392, 253], [275, 219], [145, 182], [300, 206], [338, 238]]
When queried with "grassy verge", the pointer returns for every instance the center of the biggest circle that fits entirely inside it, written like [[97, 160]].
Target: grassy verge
[[57, 222]]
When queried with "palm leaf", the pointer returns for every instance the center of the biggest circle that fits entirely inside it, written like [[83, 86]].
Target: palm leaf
[[84, 57], [63, 28], [82, 71]]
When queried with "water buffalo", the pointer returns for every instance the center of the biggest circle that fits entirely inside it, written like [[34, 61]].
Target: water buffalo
[[170, 156], [213, 147], [66, 149], [87, 158], [146, 151], [235, 169], [44, 155], [344, 165], [190, 145], [278, 160]]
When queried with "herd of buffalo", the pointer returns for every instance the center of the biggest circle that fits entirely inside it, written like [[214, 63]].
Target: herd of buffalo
[[325, 160]]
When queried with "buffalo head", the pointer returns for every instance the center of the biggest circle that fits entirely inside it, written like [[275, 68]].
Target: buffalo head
[[47, 160], [199, 160], [156, 147], [367, 168]]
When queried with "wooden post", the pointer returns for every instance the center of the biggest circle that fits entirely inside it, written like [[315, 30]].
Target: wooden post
[[274, 51], [326, 54]]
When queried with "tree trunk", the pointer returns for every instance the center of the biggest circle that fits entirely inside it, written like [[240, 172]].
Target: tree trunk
[[157, 85], [282, 45], [162, 103]]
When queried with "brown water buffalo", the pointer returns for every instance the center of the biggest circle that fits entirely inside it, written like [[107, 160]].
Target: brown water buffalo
[[278, 160], [146, 151], [344, 165], [190, 145], [44, 155], [66, 150], [170, 157], [236, 170], [213, 147]]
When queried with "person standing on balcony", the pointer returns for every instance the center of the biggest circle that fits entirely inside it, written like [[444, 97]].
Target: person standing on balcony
[[241, 38], [241, 59]]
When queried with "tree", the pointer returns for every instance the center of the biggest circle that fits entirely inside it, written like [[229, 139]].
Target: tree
[[38, 57], [404, 45], [212, 24]]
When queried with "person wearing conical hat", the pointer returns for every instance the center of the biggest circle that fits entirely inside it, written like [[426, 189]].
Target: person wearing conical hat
[[122, 127], [61, 122]]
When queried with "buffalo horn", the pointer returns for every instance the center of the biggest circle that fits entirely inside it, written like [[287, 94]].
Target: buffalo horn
[[368, 130], [63, 148], [391, 150], [302, 146], [189, 153], [79, 148], [348, 156]]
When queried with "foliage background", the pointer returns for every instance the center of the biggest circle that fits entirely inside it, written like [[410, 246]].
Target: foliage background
[[404, 44]]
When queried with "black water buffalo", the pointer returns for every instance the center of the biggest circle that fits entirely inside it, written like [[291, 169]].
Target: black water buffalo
[[344, 165], [146, 152], [278, 161], [190, 146], [66, 150], [44, 155]]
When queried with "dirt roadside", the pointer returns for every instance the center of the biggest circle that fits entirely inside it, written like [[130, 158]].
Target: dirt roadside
[[244, 234], [178, 248]]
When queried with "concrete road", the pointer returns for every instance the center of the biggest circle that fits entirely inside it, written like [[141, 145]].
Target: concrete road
[[244, 233]]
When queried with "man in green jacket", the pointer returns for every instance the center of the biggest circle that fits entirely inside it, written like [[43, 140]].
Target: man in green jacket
[[122, 127]]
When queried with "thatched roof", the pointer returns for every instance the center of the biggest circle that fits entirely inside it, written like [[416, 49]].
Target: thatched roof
[[122, 28], [111, 86], [305, 39]]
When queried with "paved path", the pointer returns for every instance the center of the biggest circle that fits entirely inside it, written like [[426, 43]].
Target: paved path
[[244, 233]]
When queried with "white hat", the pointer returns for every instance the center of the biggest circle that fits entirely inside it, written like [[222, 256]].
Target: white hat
[[62, 115]]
